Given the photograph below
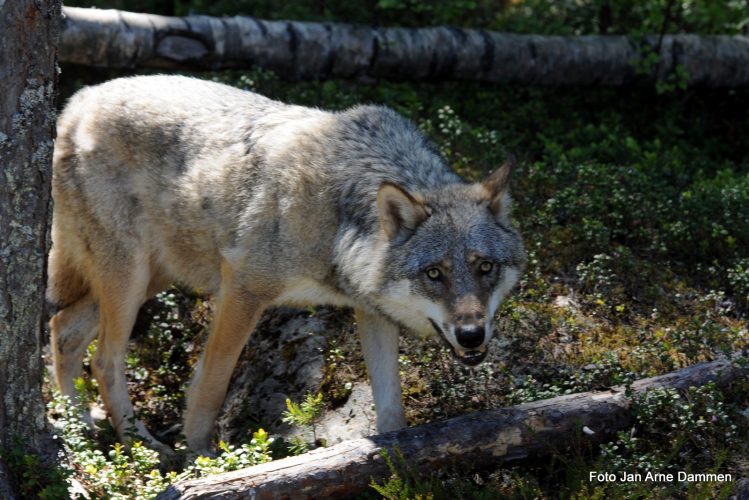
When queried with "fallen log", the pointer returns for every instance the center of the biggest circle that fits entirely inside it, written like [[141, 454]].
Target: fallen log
[[483, 439], [305, 50]]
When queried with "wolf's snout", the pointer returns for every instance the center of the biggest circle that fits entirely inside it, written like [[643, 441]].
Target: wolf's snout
[[470, 336]]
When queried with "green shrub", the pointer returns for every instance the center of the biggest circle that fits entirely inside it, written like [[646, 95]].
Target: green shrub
[[738, 278], [33, 477], [305, 416], [672, 433], [124, 473]]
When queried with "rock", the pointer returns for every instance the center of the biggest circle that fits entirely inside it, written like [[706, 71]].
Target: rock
[[285, 358], [564, 302], [355, 419]]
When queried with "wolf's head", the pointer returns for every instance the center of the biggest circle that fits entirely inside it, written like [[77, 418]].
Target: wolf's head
[[453, 256]]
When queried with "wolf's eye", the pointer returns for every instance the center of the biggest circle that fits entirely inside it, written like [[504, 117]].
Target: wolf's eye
[[433, 273], [486, 267]]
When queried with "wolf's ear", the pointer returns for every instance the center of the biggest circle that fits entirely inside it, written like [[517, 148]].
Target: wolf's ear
[[400, 212], [497, 187]]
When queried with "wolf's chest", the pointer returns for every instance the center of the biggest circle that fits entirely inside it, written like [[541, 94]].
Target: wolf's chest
[[308, 292]]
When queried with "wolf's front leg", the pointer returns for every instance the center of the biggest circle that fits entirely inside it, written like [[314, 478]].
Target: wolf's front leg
[[379, 341], [238, 312]]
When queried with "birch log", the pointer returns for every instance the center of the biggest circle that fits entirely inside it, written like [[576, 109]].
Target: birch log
[[304, 50], [485, 438]]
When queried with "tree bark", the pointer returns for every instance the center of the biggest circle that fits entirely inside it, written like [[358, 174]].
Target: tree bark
[[28, 73], [303, 50], [482, 439]]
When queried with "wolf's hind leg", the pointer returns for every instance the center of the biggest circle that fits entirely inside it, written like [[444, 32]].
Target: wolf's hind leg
[[379, 341], [238, 312], [120, 295], [72, 330]]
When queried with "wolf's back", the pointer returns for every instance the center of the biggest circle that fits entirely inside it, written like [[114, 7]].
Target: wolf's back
[[185, 167]]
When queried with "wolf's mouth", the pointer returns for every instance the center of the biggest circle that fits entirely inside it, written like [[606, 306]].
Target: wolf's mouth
[[470, 358]]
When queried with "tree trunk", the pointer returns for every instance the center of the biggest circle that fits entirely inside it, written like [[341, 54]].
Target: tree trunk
[[302, 50], [483, 439], [28, 73]]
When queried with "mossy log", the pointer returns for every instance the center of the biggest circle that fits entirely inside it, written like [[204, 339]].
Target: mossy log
[[481, 439], [306, 50]]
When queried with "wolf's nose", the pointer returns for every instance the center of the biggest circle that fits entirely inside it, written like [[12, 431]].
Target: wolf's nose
[[470, 336]]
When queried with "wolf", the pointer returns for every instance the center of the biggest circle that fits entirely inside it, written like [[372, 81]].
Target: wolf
[[164, 179]]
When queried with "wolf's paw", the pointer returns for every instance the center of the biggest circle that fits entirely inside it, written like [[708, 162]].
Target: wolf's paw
[[169, 460], [94, 416]]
